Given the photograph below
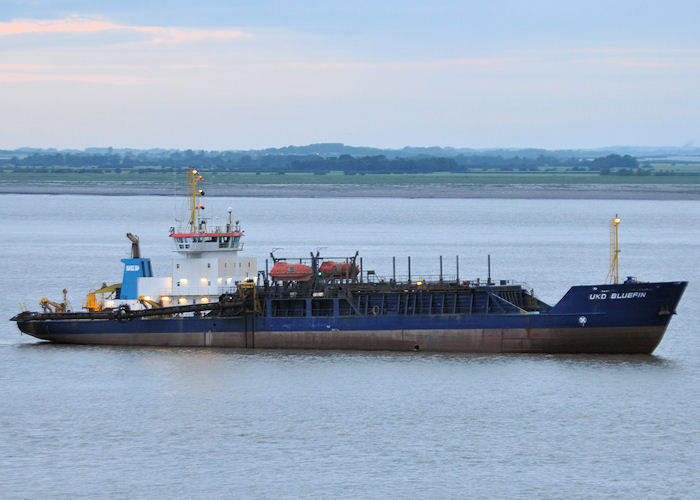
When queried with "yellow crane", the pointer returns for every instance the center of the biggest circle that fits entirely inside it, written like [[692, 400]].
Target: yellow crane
[[147, 301], [50, 306], [93, 303]]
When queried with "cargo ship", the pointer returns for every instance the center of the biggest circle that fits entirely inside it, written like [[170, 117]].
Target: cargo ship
[[215, 297]]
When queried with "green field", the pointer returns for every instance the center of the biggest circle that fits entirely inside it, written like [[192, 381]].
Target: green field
[[478, 178]]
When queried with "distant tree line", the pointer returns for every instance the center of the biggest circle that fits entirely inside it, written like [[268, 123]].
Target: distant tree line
[[230, 161]]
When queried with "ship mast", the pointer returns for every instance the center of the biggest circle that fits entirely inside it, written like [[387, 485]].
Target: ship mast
[[195, 205], [614, 271]]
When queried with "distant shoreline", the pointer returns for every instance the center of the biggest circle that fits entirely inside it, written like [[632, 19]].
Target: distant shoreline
[[501, 191]]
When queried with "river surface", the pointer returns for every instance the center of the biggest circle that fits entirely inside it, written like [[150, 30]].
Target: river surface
[[115, 422]]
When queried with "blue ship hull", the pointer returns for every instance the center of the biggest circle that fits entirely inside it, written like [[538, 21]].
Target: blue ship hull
[[629, 318]]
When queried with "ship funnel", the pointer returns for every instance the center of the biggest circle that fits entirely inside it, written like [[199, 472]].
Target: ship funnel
[[135, 253]]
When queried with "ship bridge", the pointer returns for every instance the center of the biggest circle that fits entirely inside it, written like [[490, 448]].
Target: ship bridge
[[208, 262], [195, 236], [216, 241]]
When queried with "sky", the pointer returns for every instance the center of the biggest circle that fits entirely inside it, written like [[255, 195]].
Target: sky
[[249, 74]]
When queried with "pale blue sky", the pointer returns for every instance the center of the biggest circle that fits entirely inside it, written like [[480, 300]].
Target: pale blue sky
[[238, 75]]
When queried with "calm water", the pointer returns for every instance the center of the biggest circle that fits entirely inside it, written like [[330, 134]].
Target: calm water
[[81, 421]]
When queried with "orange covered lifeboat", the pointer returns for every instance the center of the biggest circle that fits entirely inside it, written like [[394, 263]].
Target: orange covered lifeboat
[[330, 269], [283, 271]]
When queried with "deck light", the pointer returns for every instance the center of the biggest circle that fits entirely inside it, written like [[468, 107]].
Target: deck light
[[205, 300], [184, 281], [182, 300]]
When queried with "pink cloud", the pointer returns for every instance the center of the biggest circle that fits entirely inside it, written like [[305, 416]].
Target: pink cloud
[[76, 24], [33, 67], [70, 25], [475, 62], [647, 63], [631, 50], [85, 78]]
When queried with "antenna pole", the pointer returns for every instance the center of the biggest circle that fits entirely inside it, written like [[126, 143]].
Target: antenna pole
[[193, 200], [488, 282], [614, 270], [195, 206]]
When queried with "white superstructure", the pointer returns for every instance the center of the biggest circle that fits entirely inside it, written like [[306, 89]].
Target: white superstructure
[[207, 261]]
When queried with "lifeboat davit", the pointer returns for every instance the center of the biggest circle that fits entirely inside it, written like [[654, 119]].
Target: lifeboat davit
[[282, 271], [330, 269]]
